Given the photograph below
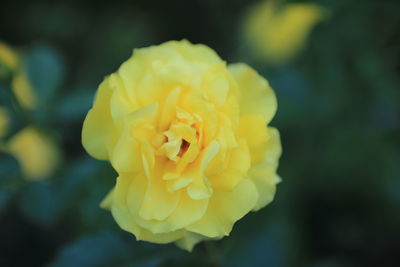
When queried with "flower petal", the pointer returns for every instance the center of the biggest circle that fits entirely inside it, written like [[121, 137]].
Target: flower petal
[[254, 129], [194, 52], [257, 97], [200, 187], [160, 238], [125, 204], [188, 211], [120, 104], [158, 203], [119, 208], [264, 174], [169, 108], [98, 126], [224, 209], [189, 240], [126, 156], [236, 170], [107, 202]]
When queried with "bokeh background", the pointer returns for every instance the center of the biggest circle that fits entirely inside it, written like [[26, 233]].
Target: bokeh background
[[338, 115]]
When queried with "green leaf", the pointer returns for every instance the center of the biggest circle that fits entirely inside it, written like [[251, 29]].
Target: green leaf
[[75, 179], [104, 249], [39, 203], [43, 202], [10, 175], [265, 248], [75, 105], [45, 71], [9, 167], [5, 196]]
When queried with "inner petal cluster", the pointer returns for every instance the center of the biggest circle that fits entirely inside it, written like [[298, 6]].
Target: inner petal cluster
[[182, 139], [181, 145]]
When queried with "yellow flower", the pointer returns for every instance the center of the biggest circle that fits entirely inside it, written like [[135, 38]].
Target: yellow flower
[[23, 90], [188, 137], [20, 84], [277, 33], [4, 122], [37, 154], [8, 57]]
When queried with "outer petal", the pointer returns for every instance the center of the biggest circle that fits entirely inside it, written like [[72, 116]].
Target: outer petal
[[119, 208], [216, 84], [107, 201], [135, 196], [162, 238], [98, 126], [189, 240], [254, 130], [120, 104], [158, 203], [186, 212], [274, 150], [239, 164], [194, 52], [126, 156], [257, 97], [264, 174], [225, 208], [126, 220]]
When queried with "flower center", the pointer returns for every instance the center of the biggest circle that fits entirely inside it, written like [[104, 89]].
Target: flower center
[[184, 147], [181, 142]]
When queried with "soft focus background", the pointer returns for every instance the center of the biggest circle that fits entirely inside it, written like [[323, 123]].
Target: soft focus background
[[338, 89]]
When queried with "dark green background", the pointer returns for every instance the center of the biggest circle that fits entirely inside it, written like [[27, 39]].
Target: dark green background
[[339, 119]]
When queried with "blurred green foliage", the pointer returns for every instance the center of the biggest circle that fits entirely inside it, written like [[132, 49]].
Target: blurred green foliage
[[339, 117]]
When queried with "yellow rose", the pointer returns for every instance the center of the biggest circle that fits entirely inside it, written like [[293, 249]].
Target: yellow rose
[[277, 33], [37, 153], [188, 137]]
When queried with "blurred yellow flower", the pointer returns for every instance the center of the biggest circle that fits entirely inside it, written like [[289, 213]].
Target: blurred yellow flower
[[277, 33], [37, 153], [4, 122], [188, 137], [8, 57], [20, 85], [23, 90]]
